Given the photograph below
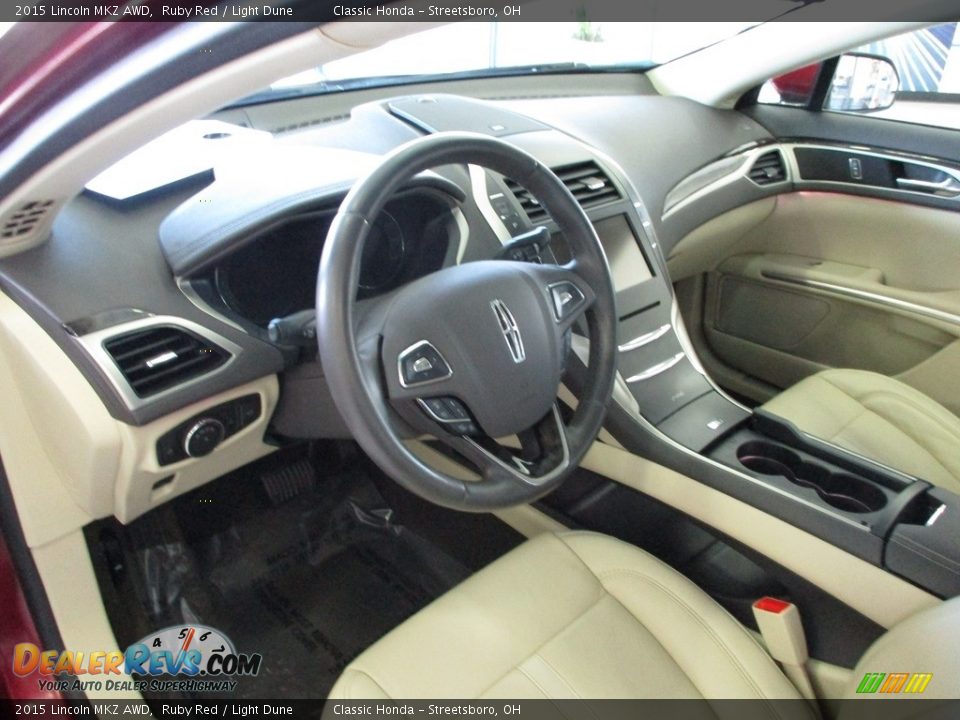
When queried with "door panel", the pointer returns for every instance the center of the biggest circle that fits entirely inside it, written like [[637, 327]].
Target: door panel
[[829, 280]]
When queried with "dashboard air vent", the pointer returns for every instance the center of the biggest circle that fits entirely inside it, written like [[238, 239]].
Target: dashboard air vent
[[768, 169], [158, 358], [590, 185]]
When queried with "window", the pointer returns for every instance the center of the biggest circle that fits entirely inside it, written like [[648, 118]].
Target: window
[[927, 62]]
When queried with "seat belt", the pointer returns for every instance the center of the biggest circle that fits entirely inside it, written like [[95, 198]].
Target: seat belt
[[782, 631]]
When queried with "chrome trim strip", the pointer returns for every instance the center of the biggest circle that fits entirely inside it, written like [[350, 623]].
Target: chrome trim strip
[[426, 408], [478, 189], [522, 474], [896, 303], [93, 344], [409, 350], [936, 515], [657, 369], [463, 230], [188, 292], [645, 339]]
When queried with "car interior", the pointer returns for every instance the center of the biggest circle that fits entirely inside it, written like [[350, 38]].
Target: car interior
[[511, 385]]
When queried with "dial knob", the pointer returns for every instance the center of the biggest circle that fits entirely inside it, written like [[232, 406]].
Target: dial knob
[[202, 437]]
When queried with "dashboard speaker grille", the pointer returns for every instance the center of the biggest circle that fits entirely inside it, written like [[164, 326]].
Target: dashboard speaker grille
[[768, 169], [590, 185], [24, 219], [158, 358]]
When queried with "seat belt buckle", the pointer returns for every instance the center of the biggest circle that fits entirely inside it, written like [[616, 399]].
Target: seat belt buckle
[[782, 630]]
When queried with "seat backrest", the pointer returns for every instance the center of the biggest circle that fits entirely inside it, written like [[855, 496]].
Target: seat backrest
[[918, 658]]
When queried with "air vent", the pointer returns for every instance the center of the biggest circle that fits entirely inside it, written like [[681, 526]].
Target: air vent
[[25, 219], [590, 185], [160, 357], [768, 169]]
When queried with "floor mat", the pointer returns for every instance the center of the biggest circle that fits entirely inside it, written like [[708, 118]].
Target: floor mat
[[307, 583]]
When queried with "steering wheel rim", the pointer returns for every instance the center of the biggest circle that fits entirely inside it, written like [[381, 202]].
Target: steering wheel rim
[[357, 363]]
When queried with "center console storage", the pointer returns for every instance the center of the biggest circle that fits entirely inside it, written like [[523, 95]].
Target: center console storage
[[895, 520]]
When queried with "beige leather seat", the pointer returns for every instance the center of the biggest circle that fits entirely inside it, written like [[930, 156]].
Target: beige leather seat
[[878, 417], [571, 615], [582, 615]]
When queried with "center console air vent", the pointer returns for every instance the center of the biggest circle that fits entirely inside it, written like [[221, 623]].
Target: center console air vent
[[590, 185], [768, 169], [158, 358]]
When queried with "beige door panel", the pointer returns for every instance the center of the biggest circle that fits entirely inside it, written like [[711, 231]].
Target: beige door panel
[[917, 248], [828, 280]]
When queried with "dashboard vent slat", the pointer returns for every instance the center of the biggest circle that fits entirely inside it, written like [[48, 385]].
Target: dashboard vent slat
[[158, 358], [768, 169], [588, 183]]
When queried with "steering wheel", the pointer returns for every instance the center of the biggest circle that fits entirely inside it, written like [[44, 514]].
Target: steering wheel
[[469, 353]]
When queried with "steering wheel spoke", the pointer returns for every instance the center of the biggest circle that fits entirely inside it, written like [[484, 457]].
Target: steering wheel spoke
[[544, 453]]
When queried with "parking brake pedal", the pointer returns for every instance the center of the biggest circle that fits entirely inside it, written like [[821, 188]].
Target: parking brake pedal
[[287, 482]]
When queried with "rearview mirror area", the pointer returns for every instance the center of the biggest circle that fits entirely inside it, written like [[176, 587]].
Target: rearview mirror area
[[862, 83]]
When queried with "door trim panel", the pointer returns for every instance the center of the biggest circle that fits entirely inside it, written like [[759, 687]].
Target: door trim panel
[[876, 298]]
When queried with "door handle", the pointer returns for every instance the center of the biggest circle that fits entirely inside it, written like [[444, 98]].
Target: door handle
[[949, 185]]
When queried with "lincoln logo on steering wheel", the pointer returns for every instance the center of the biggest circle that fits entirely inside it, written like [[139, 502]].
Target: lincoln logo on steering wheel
[[511, 333]]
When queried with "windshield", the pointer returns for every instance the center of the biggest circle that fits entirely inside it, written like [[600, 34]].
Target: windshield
[[484, 48]]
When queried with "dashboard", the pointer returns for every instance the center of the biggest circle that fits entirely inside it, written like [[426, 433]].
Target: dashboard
[[200, 268]]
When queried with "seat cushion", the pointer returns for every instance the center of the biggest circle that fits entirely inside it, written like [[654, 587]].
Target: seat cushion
[[570, 615], [878, 417]]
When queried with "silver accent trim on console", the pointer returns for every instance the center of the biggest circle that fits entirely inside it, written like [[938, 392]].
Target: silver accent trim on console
[[936, 515], [896, 303], [478, 189], [93, 344], [628, 402], [645, 339], [654, 370]]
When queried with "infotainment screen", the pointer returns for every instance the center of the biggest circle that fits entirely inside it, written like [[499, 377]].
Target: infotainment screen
[[627, 263]]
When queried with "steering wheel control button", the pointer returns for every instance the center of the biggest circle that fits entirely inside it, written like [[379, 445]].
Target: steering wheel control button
[[203, 437], [567, 299], [450, 413], [422, 363]]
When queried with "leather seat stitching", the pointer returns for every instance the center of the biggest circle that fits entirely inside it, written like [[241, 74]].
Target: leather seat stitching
[[355, 676], [536, 650], [556, 672], [697, 617], [528, 676]]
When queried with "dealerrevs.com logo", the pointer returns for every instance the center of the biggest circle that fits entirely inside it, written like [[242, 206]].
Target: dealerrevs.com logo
[[192, 658]]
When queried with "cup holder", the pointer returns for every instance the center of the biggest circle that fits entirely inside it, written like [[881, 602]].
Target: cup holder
[[842, 491]]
